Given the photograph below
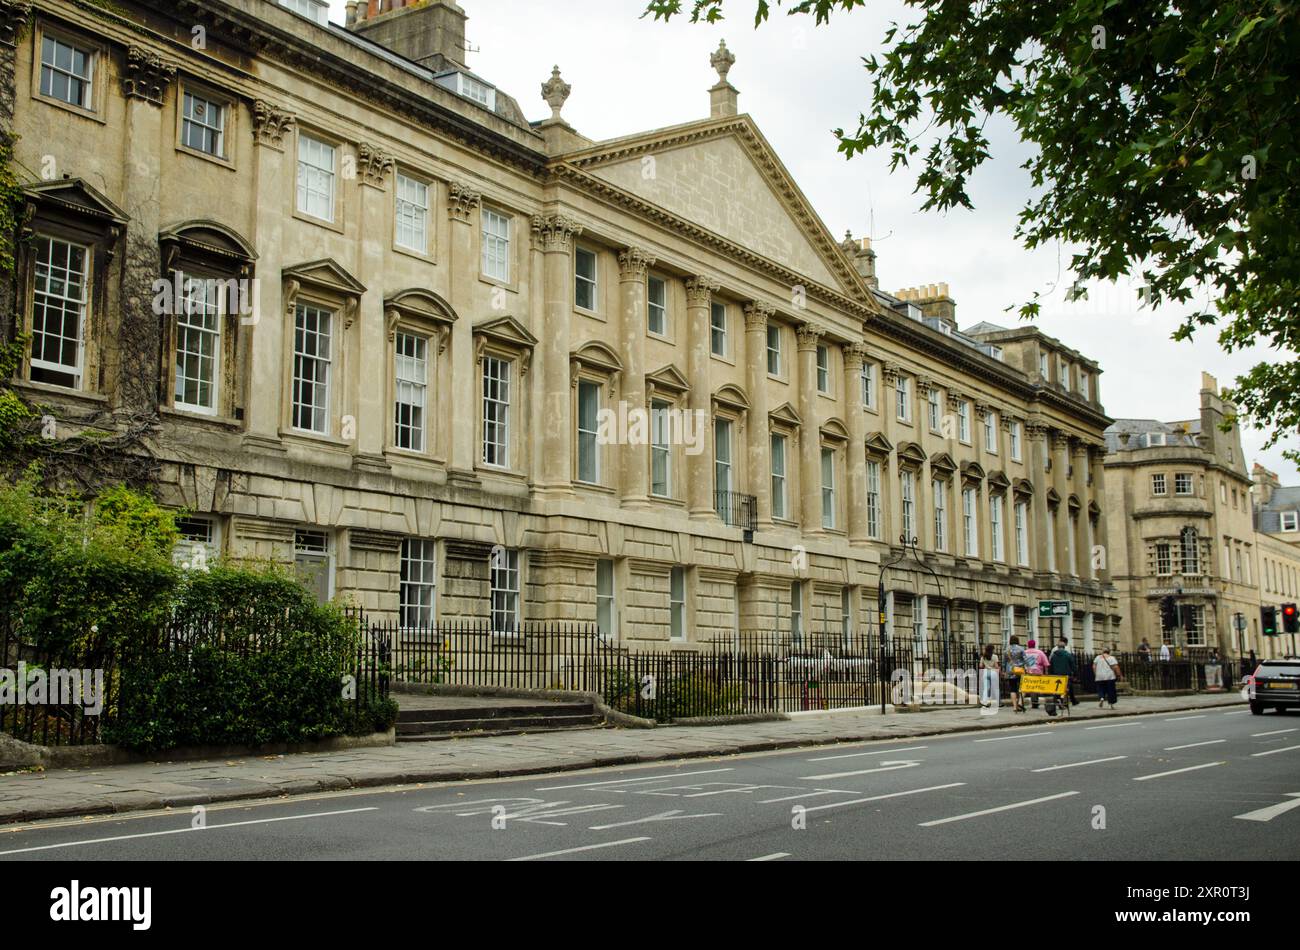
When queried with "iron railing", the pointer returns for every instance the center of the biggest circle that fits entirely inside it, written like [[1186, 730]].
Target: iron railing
[[736, 510]]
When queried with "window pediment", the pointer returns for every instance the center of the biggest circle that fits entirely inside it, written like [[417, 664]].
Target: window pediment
[[973, 471], [506, 333], [998, 481], [733, 398], [942, 462], [208, 241], [669, 380], [420, 305], [1053, 496], [836, 430], [74, 197], [785, 415], [909, 453], [598, 357], [327, 278], [1024, 486], [877, 442]]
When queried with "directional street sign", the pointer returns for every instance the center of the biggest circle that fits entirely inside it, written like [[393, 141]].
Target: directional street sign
[[1053, 608]]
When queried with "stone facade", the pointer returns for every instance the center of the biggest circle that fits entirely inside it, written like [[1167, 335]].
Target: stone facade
[[1180, 498], [439, 293]]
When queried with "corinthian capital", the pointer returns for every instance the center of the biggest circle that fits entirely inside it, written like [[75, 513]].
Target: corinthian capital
[[374, 164], [555, 232], [700, 291], [462, 201], [146, 76], [757, 314], [270, 124], [855, 356], [809, 336], [633, 264]]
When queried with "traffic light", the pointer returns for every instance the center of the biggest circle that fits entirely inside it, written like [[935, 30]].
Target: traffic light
[[1168, 613], [1268, 621], [1290, 618]]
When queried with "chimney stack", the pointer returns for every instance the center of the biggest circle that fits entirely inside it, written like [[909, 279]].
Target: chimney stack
[[934, 301], [724, 98], [428, 32], [1266, 483], [863, 258]]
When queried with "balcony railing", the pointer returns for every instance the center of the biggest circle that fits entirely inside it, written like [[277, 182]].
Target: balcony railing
[[736, 510]]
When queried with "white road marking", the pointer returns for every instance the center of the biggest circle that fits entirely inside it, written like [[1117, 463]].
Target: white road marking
[[1290, 748], [1075, 765], [1115, 725], [181, 831], [589, 847], [885, 767], [771, 857], [790, 798], [1190, 768], [1275, 732], [1184, 718], [1018, 735], [1240, 712], [675, 815], [855, 755], [1194, 745], [990, 811], [629, 781], [881, 798], [1272, 811]]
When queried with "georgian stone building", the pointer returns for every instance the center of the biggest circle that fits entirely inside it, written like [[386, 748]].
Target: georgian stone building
[[376, 323], [1180, 498]]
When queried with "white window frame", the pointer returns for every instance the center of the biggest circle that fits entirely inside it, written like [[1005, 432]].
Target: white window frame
[[317, 183], [1187, 478], [606, 600], [86, 83], [823, 368], [970, 522], [907, 492], [498, 384], [656, 308], [991, 432], [963, 422], [589, 436], [410, 391], [505, 588], [1022, 533], [723, 456], [873, 500], [830, 500], [417, 597], [903, 398], [1159, 485], [940, 491], [1289, 521], [869, 387], [780, 480], [1017, 446], [321, 380], [589, 282], [54, 307], [205, 334], [719, 329], [796, 611], [205, 128], [775, 350], [677, 619], [411, 214], [996, 510], [496, 229], [935, 409], [661, 447]]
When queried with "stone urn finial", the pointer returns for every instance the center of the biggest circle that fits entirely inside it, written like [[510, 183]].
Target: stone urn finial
[[722, 61], [556, 92]]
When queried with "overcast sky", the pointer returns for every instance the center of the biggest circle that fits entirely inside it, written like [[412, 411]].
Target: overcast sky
[[799, 82]]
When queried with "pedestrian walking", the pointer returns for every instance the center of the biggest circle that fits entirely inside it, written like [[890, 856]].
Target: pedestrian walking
[[990, 667], [1105, 670], [1014, 664], [1063, 663], [1144, 650], [1164, 652], [1035, 663]]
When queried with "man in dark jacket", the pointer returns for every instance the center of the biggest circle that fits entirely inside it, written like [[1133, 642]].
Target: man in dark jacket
[[1062, 663]]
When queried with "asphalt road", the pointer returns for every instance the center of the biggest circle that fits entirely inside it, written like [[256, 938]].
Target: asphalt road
[[1220, 784]]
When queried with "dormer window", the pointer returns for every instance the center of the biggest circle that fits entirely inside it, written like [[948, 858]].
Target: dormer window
[[914, 312], [317, 10], [1156, 439], [472, 89]]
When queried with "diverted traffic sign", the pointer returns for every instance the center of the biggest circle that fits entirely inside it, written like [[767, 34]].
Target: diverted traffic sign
[[1053, 608]]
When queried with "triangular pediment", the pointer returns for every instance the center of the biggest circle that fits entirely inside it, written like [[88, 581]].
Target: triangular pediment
[[76, 196], [722, 175], [669, 379], [942, 462], [785, 414], [506, 331], [878, 442], [326, 274], [999, 480]]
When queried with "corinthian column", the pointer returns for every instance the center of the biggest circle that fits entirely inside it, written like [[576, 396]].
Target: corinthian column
[[855, 357], [462, 203], [810, 480], [633, 264], [699, 468], [757, 316], [555, 234]]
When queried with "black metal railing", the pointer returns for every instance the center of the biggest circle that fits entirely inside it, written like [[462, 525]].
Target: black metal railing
[[736, 510]]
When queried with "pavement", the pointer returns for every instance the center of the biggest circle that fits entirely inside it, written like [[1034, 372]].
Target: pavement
[[1210, 785], [33, 796]]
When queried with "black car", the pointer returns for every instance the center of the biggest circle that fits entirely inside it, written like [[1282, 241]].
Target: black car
[[1276, 683]]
